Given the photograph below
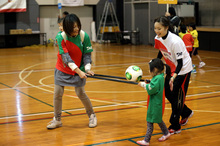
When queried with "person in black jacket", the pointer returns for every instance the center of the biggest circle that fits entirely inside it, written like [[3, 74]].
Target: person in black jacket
[[174, 19]]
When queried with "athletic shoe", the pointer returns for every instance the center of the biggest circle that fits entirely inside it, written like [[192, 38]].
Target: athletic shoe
[[201, 64], [185, 120], [92, 121], [142, 142], [172, 131], [193, 71], [54, 124], [194, 66], [164, 137]]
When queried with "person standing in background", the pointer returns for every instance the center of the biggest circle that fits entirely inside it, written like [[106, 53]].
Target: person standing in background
[[174, 19], [194, 33]]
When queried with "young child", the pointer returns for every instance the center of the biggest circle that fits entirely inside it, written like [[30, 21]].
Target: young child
[[187, 38], [194, 33], [60, 24], [72, 67], [188, 41], [156, 100]]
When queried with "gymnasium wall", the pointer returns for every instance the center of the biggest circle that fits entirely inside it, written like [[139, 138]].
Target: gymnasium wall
[[24, 20], [48, 18], [2, 25], [29, 19], [209, 12], [141, 16]]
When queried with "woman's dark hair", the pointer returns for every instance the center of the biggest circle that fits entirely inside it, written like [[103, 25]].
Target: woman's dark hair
[[193, 25], [172, 11], [183, 28], [159, 65], [68, 23], [164, 21]]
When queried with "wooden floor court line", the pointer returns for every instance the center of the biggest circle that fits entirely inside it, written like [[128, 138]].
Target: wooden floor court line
[[31, 96], [203, 98], [95, 107], [134, 106], [130, 139], [104, 101]]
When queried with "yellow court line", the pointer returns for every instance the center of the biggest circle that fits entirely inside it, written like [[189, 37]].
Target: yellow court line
[[20, 76], [114, 103], [41, 82], [21, 80]]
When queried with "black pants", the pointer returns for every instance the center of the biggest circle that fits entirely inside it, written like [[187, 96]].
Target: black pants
[[177, 99]]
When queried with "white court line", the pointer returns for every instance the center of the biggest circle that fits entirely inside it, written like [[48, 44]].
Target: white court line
[[203, 94], [21, 80], [126, 55], [26, 71], [114, 103], [104, 106], [212, 70], [20, 76], [95, 66], [78, 109]]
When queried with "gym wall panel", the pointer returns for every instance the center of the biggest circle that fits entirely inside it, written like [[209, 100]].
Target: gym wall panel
[[155, 11], [49, 15], [209, 12], [142, 22], [30, 18], [127, 16], [2, 24]]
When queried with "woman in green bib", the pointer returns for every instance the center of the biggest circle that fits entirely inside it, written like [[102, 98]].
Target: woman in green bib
[[72, 67]]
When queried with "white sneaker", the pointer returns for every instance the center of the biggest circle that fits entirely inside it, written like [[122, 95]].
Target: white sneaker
[[54, 124], [142, 142], [201, 64], [164, 137], [92, 121]]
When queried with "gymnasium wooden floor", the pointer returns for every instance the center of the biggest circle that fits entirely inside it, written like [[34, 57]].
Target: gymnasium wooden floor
[[26, 92]]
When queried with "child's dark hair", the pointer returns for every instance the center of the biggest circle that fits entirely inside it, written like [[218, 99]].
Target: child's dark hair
[[183, 28], [172, 11], [68, 23], [193, 25], [159, 65], [66, 13], [164, 21]]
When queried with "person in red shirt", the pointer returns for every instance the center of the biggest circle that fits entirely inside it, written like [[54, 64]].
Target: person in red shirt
[[187, 39]]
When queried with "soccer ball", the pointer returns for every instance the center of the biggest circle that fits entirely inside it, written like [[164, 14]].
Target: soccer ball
[[133, 73]]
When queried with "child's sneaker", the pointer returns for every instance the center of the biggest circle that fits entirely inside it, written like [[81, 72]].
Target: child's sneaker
[[185, 120], [92, 121], [164, 137], [172, 131], [194, 66], [142, 142], [54, 124], [193, 71], [201, 64]]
